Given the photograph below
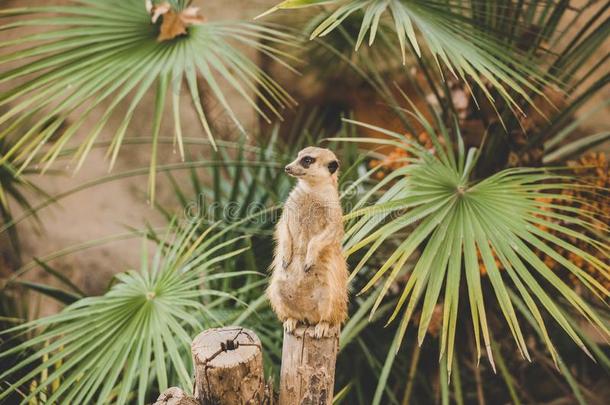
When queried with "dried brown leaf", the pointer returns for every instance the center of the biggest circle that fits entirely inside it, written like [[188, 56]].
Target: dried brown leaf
[[173, 23], [171, 27]]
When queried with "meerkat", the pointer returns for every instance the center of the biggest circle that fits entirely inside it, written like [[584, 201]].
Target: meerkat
[[309, 280]]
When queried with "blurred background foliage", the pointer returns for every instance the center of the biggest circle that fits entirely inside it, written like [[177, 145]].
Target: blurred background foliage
[[474, 183]]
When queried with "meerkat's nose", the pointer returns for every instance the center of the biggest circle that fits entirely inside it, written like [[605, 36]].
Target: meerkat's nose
[[287, 169]]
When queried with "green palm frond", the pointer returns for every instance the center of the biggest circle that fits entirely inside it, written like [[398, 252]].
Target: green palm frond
[[464, 228], [451, 33], [105, 55], [112, 347]]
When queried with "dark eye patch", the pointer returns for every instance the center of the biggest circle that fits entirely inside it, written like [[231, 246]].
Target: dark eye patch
[[307, 161], [333, 166]]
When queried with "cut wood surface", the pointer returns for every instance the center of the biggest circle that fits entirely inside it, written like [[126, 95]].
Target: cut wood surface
[[228, 367], [308, 367]]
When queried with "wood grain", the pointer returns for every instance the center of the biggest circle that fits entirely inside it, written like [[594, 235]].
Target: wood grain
[[308, 367], [228, 367]]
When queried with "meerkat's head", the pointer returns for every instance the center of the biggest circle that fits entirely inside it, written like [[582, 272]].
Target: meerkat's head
[[315, 166]]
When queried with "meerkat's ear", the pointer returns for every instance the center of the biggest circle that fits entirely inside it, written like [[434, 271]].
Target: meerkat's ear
[[333, 166]]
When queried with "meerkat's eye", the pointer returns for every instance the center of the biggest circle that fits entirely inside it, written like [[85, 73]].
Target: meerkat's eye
[[333, 166], [307, 161]]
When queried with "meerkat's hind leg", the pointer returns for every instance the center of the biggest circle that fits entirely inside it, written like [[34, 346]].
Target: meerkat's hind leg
[[290, 324], [322, 329]]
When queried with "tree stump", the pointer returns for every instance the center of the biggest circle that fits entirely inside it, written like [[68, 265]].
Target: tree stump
[[228, 367], [308, 367], [175, 396]]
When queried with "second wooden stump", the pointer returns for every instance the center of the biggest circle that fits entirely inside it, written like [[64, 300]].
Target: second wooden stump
[[228, 367], [308, 367]]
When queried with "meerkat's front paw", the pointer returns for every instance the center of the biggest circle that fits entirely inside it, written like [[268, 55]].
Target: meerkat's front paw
[[285, 263], [308, 265], [290, 325], [321, 330]]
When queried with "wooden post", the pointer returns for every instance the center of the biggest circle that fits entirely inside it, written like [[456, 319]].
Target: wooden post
[[308, 367], [228, 367]]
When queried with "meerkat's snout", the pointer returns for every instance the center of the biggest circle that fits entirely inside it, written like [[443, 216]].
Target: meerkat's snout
[[293, 171]]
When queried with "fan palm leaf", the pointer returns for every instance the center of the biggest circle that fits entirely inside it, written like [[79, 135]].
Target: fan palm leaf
[[464, 228], [105, 55], [106, 347], [451, 33]]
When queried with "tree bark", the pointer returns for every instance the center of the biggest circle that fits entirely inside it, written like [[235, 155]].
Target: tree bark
[[228, 367], [308, 367]]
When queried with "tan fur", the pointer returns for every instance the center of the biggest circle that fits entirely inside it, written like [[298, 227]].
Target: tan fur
[[309, 280]]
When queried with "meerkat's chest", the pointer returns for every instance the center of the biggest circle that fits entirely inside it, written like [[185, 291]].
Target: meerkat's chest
[[307, 216]]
